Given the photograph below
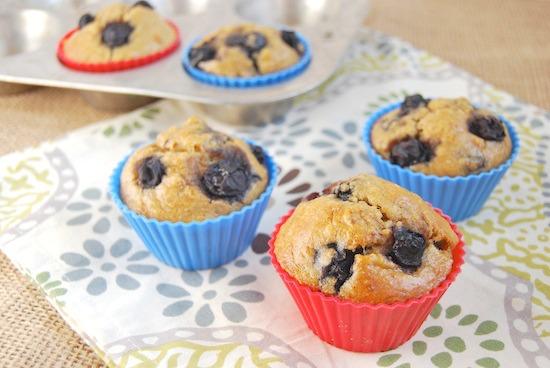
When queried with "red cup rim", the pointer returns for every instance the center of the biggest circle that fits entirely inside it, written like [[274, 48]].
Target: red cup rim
[[458, 260], [112, 66]]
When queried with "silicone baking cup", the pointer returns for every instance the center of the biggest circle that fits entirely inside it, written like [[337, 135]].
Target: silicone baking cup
[[364, 327], [114, 66], [459, 197], [248, 82], [199, 244]]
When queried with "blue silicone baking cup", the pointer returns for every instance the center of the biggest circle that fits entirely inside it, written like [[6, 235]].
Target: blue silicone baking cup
[[248, 82], [459, 197], [200, 244]]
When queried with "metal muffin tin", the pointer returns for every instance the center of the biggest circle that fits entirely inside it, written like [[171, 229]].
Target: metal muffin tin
[[30, 31]]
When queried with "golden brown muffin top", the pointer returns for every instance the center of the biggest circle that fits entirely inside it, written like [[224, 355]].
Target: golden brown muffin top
[[192, 173], [245, 50], [443, 137], [367, 240]]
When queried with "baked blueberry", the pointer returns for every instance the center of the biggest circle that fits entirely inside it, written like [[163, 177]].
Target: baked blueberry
[[202, 53], [407, 249], [412, 102], [116, 34], [486, 127], [340, 266], [85, 20], [258, 153], [290, 38], [255, 41], [143, 3], [236, 40], [151, 170], [228, 178], [343, 194], [250, 42], [409, 152]]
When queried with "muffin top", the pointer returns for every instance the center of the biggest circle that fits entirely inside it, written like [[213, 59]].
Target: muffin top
[[443, 137], [246, 50], [192, 173], [367, 240], [119, 32]]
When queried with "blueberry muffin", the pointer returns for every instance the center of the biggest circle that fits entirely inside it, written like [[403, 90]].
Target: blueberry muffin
[[442, 137], [119, 32], [246, 50], [192, 173], [367, 240]]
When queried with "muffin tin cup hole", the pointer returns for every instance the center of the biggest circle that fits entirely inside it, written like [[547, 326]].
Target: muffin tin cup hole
[[289, 12], [26, 30], [169, 8]]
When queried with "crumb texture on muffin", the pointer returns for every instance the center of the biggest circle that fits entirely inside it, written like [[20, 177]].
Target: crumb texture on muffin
[[119, 32], [246, 50], [366, 240], [443, 137], [192, 173]]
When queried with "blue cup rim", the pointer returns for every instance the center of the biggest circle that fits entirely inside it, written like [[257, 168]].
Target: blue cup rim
[[248, 82], [114, 190], [388, 108]]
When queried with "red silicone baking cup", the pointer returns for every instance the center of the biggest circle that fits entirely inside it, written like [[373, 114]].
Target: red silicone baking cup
[[364, 327], [113, 66]]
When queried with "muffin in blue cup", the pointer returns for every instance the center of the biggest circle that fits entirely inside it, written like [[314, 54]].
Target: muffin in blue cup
[[447, 151], [247, 55], [195, 196]]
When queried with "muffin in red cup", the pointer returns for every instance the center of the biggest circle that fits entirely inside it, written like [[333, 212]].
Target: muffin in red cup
[[366, 261], [118, 37]]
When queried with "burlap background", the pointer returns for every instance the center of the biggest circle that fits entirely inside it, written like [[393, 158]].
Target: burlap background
[[505, 42]]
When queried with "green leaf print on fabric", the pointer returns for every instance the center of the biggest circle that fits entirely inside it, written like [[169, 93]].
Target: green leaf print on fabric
[[486, 327], [52, 288], [395, 96], [23, 187], [455, 344], [171, 355], [150, 113], [433, 331], [442, 360], [436, 312], [492, 345], [487, 363], [462, 339], [452, 311], [419, 347], [467, 320], [388, 360], [125, 130]]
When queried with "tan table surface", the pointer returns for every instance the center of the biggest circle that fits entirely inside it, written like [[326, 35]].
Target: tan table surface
[[505, 42]]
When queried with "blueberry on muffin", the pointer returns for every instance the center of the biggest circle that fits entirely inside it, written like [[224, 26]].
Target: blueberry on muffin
[[246, 50], [119, 32], [443, 137], [367, 240], [192, 173]]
